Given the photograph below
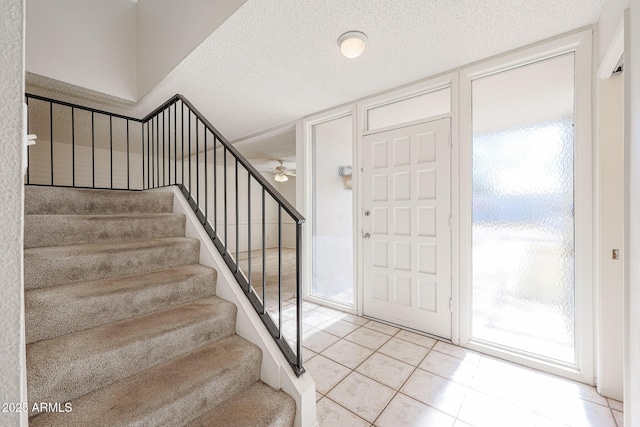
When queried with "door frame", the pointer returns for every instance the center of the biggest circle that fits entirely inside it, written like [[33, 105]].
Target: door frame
[[427, 120], [581, 44], [442, 81]]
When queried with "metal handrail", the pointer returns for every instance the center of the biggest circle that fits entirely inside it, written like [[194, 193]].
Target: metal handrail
[[153, 160]]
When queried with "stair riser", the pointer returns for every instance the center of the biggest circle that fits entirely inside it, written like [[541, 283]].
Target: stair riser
[[73, 201], [61, 377], [56, 266], [60, 230], [170, 394], [56, 311]]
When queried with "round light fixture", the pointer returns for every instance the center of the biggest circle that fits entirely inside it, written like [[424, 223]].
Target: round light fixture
[[352, 43]]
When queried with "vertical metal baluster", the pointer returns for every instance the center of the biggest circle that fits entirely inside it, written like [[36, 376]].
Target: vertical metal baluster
[[153, 154], [182, 131], [128, 167], [169, 145], [264, 256], [51, 136], [198, 159], [215, 186], [206, 191], [111, 151], [142, 150], [279, 271], [175, 142], [226, 238], [299, 292], [93, 153], [28, 148], [148, 158], [190, 188], [158, 150], [73, 148], [237, 222], [164, 143], [249, 228]]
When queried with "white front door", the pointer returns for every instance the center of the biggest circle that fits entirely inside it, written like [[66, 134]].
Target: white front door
[[406, 228]]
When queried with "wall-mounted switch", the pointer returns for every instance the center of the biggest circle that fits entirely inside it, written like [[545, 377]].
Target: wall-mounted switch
[[616, 254]]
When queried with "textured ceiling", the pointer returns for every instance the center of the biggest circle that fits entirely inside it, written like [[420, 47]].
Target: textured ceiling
[[276, 61]]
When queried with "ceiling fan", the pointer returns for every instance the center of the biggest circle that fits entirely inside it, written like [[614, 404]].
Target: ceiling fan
[[282, 174]]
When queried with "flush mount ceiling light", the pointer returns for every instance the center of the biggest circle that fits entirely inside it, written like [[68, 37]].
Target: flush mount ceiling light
[[352, 43]]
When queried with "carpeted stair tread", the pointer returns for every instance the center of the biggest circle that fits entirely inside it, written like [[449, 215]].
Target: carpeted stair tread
[[75, 201], [258, 406], [56, 265], [69, 366], [59, 310], [169, 394], [59, 230]]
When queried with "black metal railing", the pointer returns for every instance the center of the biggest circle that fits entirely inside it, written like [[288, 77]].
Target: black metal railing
[[88, 148]]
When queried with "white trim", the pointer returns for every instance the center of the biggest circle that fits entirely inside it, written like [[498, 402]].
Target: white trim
[[580, 43], [362, 107], [614, 51], [305, 155], [275, 371]]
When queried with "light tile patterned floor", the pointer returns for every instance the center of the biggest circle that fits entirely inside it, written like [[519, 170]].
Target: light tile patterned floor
[[371, 374]]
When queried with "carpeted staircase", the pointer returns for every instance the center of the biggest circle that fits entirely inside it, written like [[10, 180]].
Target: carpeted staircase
[[123, 323]]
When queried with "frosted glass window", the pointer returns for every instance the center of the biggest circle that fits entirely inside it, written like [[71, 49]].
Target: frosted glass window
[[523, 288], [332, 211], [410, 109]]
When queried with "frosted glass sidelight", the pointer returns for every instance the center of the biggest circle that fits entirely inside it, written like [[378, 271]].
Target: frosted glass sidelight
[[523, 280], [332, 211]]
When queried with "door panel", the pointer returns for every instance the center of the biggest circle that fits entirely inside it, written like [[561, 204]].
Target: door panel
[[407, 246]]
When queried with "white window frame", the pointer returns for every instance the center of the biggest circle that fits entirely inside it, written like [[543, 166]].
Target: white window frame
[[581, 44], [305, 158]]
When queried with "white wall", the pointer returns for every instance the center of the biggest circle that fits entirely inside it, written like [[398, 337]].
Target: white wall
[[632, 219], [94, 43], [159, 21], [611, 164], [12, 342]]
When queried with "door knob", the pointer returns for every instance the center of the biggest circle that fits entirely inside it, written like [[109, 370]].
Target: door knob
[[366, 235], [367, 213]]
